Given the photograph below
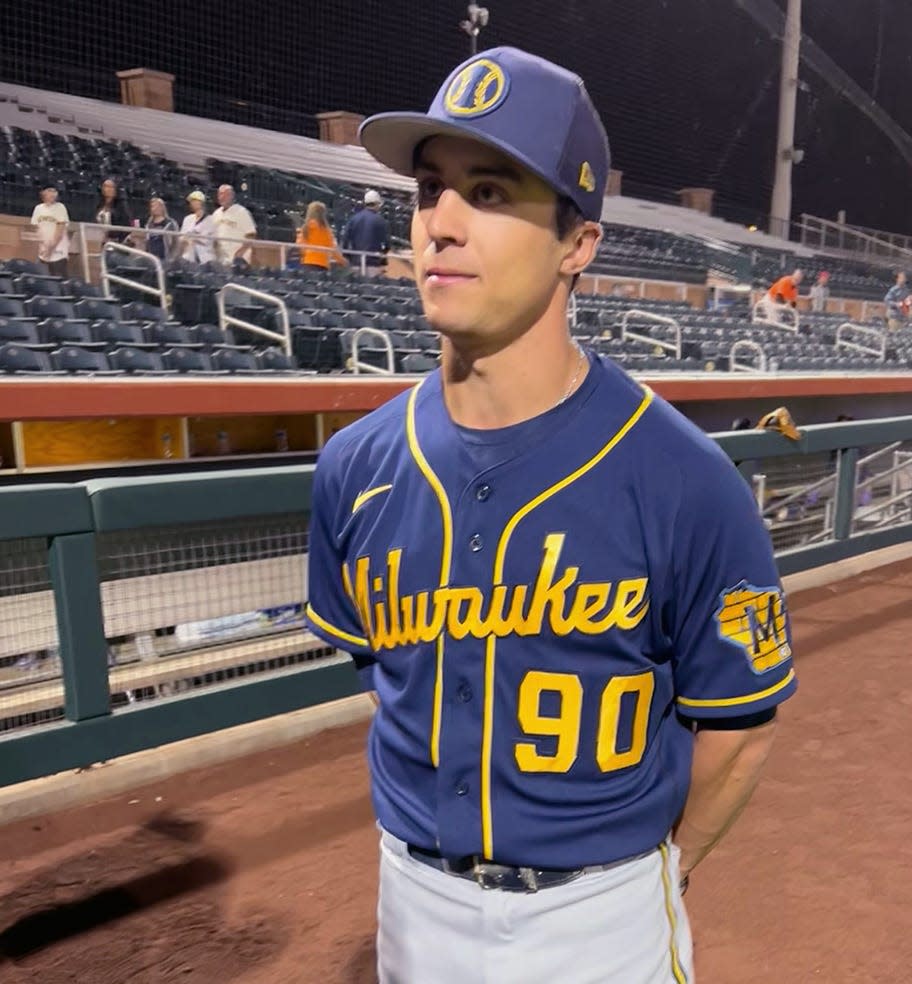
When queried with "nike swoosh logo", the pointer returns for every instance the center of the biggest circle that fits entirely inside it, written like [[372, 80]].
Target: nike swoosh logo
[[368, 495]]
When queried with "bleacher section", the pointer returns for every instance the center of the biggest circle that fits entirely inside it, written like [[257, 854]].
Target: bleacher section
[[277, 197], [65, 326]]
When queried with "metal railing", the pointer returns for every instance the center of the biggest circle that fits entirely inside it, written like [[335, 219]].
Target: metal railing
[[879, 349], [227, 320], [760, 315], [107, 277], [143, 588], [385, 343], [660, 319], [86, 231], [745, 344], [869, 245]]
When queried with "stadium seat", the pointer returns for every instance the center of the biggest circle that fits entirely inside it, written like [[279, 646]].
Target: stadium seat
[[141, 311], [11, 307], [74, 287], [66, 331], [119, 333], [16, 358], [98, 309], [209, 336], [18, 266], [135, 360], [233, 360], [50, 307], [417, 362], [169, 333], [186, 360], [32, 285], [24, 332], [275, 360], [71, 358]]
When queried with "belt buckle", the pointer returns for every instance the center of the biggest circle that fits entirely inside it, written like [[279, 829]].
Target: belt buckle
[[489, 875]]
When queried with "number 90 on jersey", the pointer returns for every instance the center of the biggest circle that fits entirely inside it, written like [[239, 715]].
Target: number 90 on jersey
[[564, 725]]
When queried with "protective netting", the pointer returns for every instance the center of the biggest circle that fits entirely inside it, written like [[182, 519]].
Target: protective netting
[[185, 607], [688, 91], [30, 687]]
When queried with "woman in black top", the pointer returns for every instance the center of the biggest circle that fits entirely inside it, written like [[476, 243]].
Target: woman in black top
[[112, 210]]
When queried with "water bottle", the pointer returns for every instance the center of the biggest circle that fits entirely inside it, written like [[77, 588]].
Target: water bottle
[[166, 445], [281, 439], [222, 445]]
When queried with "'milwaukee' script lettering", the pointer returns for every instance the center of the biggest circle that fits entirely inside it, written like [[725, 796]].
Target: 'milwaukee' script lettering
[[555, 602]]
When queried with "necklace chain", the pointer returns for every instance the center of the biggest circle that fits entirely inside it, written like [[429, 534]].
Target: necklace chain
[[581, 356]]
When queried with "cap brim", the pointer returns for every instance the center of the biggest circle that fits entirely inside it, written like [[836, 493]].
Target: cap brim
[[393, 138]]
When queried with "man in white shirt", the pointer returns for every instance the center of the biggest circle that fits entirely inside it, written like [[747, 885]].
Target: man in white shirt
[[51, 219], [233, 224]]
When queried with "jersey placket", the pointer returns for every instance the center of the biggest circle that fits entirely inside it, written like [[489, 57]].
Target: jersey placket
[[464, 694]]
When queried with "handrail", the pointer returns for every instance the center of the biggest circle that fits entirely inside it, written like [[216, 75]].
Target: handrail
[[746, 343], [758, 315], [384, 337], [107, 277], [226, 320], [659, 319], [282, 246], [872, 243], [880, 351]]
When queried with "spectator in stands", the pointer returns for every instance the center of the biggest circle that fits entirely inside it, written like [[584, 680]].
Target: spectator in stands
[[51, 219], [897, 301], [198, 231], [317, 238], [233, 224], [367, 232], [164, 247], [820, 292], [112, 210], [781, 295]]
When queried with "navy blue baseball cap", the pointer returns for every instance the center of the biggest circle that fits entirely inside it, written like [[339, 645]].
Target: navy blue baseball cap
[[530, 109]]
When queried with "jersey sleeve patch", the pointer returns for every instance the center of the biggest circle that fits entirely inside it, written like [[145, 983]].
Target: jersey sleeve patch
[[753, 619]]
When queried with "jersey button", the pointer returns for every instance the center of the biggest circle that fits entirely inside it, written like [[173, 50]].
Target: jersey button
[[462, 788], [464, 693], [482, 493], [476, 543]]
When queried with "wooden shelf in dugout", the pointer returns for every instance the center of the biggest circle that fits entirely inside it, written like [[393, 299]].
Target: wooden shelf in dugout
[[46, 443]]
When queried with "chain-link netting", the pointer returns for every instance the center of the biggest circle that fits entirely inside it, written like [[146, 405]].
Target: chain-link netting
[[30, 687], [186, 607]]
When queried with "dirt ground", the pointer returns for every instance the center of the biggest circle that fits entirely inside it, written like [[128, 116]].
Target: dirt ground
[[262, 871]]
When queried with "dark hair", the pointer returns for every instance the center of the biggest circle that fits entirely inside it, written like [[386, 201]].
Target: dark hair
[[116, 200], [567, 216]]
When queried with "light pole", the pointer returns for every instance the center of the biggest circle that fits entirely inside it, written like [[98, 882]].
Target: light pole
[[472, 25], [786, 154]]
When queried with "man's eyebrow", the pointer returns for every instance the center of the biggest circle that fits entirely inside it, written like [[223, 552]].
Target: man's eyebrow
[[502, 171]]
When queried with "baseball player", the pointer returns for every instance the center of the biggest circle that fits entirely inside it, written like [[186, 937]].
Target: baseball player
[[559, 588]]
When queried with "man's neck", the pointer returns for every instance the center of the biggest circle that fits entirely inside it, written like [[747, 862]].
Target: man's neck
[[529, 376]]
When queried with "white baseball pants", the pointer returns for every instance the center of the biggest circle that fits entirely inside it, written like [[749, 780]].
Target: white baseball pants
[[625, 925]]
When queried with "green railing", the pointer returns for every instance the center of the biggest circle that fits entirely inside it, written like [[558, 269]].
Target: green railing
[[106, 651]]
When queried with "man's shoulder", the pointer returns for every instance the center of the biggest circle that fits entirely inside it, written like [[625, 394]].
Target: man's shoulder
[[381, 431], [673, 441]]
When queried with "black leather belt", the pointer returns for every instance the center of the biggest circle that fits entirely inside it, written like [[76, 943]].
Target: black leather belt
[[488, 874]]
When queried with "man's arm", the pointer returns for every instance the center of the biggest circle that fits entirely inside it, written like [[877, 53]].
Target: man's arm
[[726, 768], [244, 249]]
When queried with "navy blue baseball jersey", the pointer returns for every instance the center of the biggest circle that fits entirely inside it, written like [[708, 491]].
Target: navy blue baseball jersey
[[544, 607]]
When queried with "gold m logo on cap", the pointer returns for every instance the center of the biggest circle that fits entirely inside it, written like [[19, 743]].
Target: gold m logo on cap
[[478, 88], [586, 177]]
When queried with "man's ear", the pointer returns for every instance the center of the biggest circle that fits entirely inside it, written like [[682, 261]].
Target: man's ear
[[581, 245]]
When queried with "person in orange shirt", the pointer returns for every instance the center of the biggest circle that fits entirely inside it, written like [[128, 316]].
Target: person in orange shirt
[[317, 238], [783, 292]]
